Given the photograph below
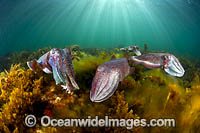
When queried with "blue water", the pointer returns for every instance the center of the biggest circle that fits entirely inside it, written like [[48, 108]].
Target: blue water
[[170, 25]]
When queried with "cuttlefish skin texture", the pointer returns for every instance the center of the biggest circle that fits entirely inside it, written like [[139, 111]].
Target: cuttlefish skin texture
[[107, 78], [109, 74], [168, 62]]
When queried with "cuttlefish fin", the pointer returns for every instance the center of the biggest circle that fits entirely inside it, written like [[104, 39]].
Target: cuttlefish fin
[[33, 65]]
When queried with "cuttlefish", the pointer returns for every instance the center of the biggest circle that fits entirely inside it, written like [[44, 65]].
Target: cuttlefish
[[109, 74], [107, 78], [58, 62]]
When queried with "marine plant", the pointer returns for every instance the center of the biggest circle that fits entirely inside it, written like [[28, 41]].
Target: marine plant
[[145, 48], [20, 91], [85, 69], [143, 94]]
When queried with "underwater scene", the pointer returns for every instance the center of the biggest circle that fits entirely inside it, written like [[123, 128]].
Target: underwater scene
[[117, 65]]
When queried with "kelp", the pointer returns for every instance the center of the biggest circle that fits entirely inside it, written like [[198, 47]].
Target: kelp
[[143, 94]]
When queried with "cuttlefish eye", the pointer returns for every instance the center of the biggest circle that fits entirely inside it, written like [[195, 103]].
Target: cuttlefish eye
[[53, 51], [137, 50], [136, 47], [100, 68], [168, 57]]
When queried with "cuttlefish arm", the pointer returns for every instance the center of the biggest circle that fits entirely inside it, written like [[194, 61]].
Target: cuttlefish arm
[[68, 67], [172, 66], [168, 62], [62, 68]]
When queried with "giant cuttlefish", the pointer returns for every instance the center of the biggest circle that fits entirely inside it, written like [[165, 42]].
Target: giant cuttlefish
[[107, 78], [58, 62], [109, 74]]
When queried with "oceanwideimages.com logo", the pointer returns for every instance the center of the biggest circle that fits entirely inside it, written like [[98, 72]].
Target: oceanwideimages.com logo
[[46, 121]]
